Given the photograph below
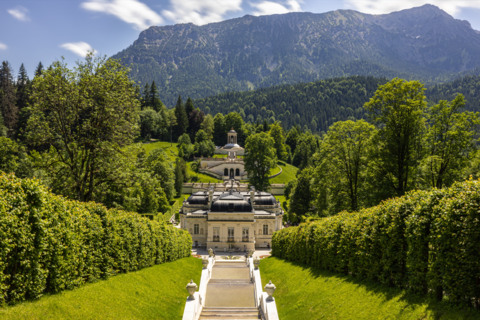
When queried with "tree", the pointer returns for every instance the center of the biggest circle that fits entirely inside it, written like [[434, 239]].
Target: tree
[[204, 147], [146, 96], [8, 155], [3, 128], [260, 158], [154, 100], [208, 126], [306, 148], [185, 147], [39, 69], [342, 167], [86, 115], [449, 141], [397, 110], [150, 122], [160, 166], [189, 108], [195, 121], [276, 132], [219, 133], [172, 122], [178, 177], [8, 99], [300, 199], [182, 119], [292, 139]]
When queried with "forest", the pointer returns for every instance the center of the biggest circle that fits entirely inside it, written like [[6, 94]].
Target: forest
[[348, 154]]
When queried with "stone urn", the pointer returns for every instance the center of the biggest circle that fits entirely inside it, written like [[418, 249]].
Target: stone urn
[[191, 288], [205, 263], [256, 263], [270, 289], [210, 252], [250, 253]]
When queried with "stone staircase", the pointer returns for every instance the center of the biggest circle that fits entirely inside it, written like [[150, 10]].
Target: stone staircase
[[230, 293], [229, 313]]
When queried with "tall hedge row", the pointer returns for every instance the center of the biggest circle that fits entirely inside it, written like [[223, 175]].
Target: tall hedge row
[[427, 242], [49, 244]]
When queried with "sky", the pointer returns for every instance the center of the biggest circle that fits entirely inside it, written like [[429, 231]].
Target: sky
[[47, 30]]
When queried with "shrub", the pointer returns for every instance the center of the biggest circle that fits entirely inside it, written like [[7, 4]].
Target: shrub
[[49, 244], [427, 242]]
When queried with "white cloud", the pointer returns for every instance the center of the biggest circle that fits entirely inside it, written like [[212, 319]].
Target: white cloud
[[382, 6], [19, 13], [200, 11], [130, 11], [3, 46], [79, 48], [270, 7]]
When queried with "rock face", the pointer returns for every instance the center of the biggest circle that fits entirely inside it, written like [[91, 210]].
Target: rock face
[[423, 43]]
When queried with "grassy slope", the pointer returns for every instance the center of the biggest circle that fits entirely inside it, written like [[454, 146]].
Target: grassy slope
[[172, 152], [288, 173], [304, 292], [157, 292]]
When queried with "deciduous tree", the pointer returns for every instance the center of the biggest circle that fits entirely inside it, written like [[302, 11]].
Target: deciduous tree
[[86, 115], [260, 158]]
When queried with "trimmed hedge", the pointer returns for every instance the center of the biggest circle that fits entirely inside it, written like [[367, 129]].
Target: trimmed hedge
[[49, 244], [426, 242]]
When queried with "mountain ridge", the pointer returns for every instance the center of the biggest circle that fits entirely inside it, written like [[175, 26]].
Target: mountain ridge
[[249, 52]]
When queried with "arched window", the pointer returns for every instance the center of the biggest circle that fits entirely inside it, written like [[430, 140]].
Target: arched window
[[237, 172], [231, 173], [225, 172]]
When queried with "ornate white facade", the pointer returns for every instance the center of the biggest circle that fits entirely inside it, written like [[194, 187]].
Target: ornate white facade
[[231, 220]]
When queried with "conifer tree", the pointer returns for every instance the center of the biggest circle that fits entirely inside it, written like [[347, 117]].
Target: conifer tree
[[23, 88], [219, 136], [146, 96], [7, 98], [182, 120], [189, 107], [39, 69], [155, 102]]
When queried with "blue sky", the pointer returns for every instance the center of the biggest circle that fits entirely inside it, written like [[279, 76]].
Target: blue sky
[[46, 30]]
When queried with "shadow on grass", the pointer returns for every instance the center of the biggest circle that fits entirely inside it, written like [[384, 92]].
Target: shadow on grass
[[439, 310]]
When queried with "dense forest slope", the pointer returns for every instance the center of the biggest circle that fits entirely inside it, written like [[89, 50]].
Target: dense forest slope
[[420, 43], [317, 105]]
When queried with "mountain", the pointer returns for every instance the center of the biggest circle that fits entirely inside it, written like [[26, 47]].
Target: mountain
[[422, 43]]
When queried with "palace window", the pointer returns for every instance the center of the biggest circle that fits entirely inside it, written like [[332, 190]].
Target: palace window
[[245, 234], [265, 229], [231, 235], [216, 234], [196, 227]]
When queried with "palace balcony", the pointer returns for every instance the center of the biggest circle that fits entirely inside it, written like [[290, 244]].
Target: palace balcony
[[245, 239], [230, 239], [216, 238]]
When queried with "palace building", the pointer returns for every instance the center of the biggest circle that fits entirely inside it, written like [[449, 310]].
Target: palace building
[[231, 219]]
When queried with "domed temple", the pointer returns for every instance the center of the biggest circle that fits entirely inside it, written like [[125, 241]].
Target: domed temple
[[231, 167], [231, 220]]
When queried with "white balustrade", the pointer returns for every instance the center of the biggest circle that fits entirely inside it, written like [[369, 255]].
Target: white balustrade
[[194, 307], [268, 309]]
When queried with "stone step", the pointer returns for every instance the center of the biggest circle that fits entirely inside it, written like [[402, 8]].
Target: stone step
[[230, 281], [229, 313], [230, 266], [230, 309]]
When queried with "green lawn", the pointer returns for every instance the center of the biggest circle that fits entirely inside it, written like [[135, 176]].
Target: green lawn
[[304, 292], [201, 177], [157, 292], [170, 148], [288, 173]]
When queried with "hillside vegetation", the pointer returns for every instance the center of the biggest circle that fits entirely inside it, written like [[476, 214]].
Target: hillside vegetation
[[50, 244], [250, 52], [157, 292]]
